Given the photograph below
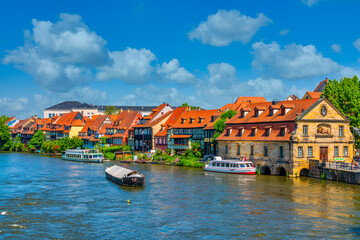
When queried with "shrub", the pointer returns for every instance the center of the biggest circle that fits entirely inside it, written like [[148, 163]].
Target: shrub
[[55, 148], [32, 148], [110, 156]]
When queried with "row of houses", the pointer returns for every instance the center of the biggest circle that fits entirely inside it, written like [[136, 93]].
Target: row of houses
[[279, 136]]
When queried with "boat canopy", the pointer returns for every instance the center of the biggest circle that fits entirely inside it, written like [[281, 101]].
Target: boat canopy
[[119, 172]]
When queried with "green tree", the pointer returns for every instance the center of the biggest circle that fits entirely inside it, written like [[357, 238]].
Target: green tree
[[38, 139], [18, 145], [345, 96], [191, 107], [110, 110], [5, 137], [3, 119], [220, 124]]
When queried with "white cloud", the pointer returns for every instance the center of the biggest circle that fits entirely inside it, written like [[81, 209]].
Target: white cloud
[[284, 32], [85, 94], [357, 44], [221, 75], [225, 27], [12, 104], [292, 61], [59, 55], [336, 48], [130, 65], [174, 73], [310, 2]]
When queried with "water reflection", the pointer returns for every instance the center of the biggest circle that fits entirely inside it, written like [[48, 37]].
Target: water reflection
[[51, 198]]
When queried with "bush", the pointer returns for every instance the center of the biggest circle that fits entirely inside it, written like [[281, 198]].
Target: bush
[[55, 148], [110, 156], [31, 148]]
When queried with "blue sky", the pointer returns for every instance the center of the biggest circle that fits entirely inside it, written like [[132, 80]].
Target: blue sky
[[205, 53]]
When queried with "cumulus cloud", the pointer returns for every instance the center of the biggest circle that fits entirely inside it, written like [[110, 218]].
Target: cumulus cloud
[[225, 27], [336, 48], [59, 55], [357, 44], [309, 3], [85, 94], [292, 61], [130, 65], [173, 72], [284, 32], [13, 104], [221, 75]]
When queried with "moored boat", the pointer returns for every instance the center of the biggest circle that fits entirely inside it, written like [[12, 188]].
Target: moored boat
[[83, 155], [230, 166], [124, 176]]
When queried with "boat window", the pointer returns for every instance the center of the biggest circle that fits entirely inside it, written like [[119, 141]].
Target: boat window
[[222, 164], [90, 156], [236, 165], [248, 165], [213, 164], [227, 165], [218, 164], [242, 165]]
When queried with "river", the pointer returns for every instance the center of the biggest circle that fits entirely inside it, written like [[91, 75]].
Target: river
[[48, 198]]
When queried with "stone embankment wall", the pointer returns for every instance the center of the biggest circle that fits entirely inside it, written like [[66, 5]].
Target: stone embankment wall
[[316, 170]]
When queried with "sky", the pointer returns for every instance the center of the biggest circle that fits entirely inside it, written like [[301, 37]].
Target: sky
[[205, 53]]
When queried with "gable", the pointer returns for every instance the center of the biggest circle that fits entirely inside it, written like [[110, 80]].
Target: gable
[[315, 112]]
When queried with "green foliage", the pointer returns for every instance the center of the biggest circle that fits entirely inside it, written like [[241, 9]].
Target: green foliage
[[345, 95], [5, 137], [191, 107], [18, 145], [189, 162], [56, 148], [220, 124], [110, 110], [323, 176], [63, 144], [31, 148], [102, 140], [110, 156], [115, 148], [38, 139]]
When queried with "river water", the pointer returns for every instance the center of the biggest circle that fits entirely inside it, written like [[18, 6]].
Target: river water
[[48, 198]]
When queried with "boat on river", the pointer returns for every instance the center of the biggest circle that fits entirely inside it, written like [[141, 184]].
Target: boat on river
[[230, 166], [83, 155], [124, 176]]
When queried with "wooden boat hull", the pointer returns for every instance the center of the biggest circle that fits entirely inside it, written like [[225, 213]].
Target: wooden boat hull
[[127, 181]]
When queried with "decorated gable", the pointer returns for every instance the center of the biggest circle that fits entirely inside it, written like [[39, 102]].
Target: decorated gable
[[323, 110]]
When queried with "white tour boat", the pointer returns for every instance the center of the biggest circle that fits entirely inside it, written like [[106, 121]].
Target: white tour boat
[[83, 155], [230, 166]]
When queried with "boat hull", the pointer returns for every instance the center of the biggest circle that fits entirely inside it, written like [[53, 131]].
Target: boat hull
[[246, 172], [82, 160], [127, 181]]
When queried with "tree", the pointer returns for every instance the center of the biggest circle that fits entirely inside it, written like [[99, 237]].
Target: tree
[[18, 145], [3, 119], [191, 107], [5, 138], [220, 124], [345, 96], [38, 139], [110, 110]]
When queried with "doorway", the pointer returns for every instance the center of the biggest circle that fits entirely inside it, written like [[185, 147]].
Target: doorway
[[323, 154]]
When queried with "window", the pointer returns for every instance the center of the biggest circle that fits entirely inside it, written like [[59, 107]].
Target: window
[[242, 115], [238, 150], [267, 132], [346, 152], [226, 149], [227, 133], [281, 151], [310, 151], [282, 110], [265, 151], [256, 113], [300, 151], [253, 131], [239, 134], [271, 112], [305, 130], [282, 132], [252, 150], [336, 151], [341, 131]]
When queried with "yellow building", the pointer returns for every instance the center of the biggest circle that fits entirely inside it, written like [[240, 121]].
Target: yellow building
[[281, 137], [76, 127]]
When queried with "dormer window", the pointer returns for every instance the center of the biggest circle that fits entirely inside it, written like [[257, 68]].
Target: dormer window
[[282, 131], [200, 119], [282, 110], [212, 118], [228, 131], [271, 111], [242, 115], [267, 132], [253, 132], [240, 132], [192, 120], [256, 113], [183, 120]]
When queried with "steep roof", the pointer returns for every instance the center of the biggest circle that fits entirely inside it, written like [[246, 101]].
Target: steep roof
[[77, 122], [312, 95], [194, 119], [94, 124], [67, 105], [158, 120], [321, 86], [295, 109], [124, 120], [250, 99], [67, 118]]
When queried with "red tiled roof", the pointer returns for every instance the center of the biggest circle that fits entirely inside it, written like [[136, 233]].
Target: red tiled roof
[[250, 99], [95, 123], [158, 120], [313, 94], [67, 118], [195, 115], [77, 122], [297, 107], [171, 120]]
